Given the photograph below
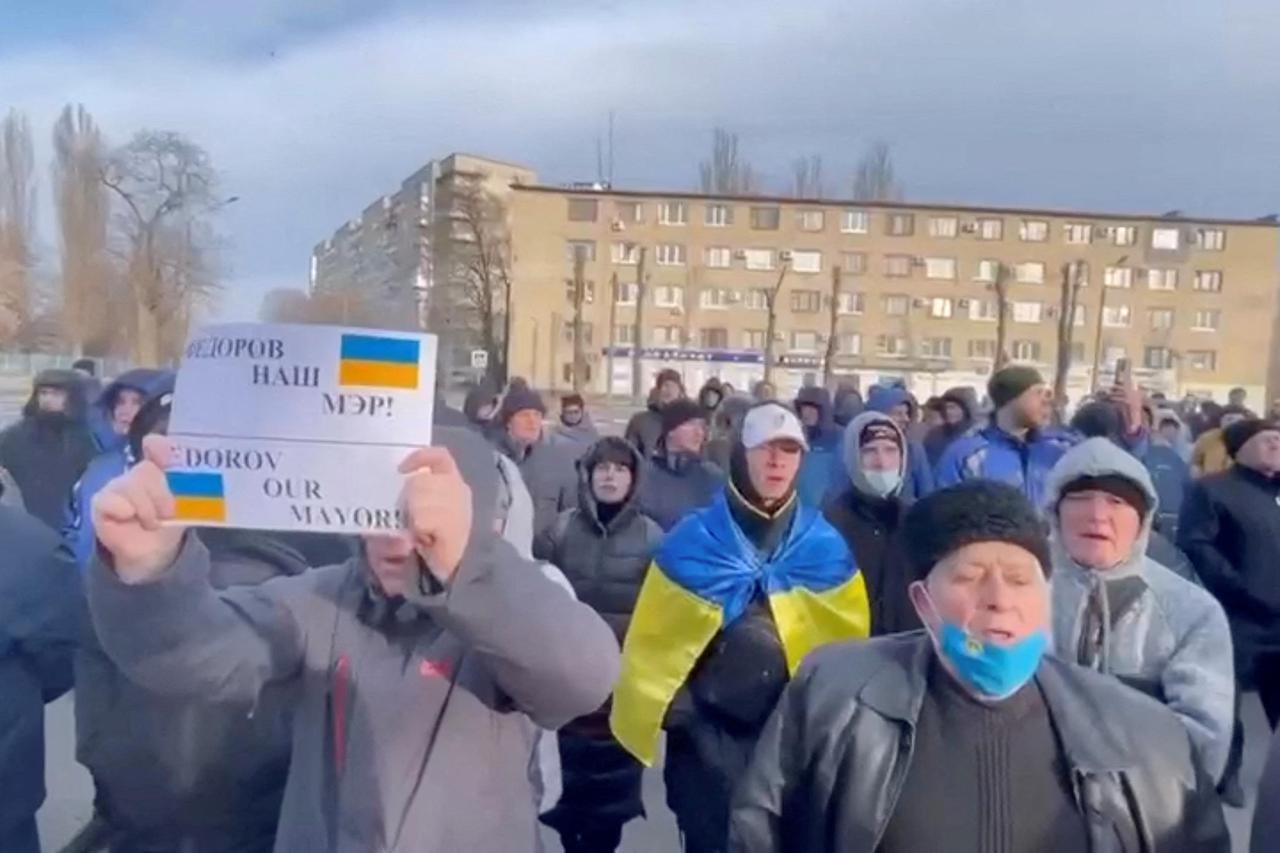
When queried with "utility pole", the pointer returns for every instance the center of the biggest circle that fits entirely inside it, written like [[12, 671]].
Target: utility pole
[[1000, 284], [637, 336], [1074, 274], [613, 329], [833, 347], [771, 324], [1097, 339], [579, 296]]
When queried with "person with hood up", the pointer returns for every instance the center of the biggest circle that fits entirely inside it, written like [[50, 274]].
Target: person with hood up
[[546, 467], [724, 428], [1117, 611], [737, 595], [1209, 454], [764, 391], [868, 512], [120, 403], [967, 735], [417, 672], [575, 432], [1170, 473], [41, 609], [645, 427], [678, 478], [710, 396], [900, 406], [848, 402], [481, 405], [957, 420], [48, 449], [821, 468], [604, 547]]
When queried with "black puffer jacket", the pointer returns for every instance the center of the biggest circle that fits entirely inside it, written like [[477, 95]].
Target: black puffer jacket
[[869, 525], [828, 768]]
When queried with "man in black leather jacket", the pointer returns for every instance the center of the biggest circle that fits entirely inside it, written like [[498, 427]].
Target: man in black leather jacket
[[965, 737]]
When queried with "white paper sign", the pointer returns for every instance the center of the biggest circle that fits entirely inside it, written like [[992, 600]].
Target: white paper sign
[[280, 427]]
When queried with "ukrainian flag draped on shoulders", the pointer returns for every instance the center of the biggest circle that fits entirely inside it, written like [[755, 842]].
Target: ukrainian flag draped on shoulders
[[703, 577]]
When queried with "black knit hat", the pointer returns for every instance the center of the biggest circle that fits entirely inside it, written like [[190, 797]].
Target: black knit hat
[[1113, 484], [1008, 384], [973, 511], [518, 399], [880, 429], [1239, 433], [680, 411]]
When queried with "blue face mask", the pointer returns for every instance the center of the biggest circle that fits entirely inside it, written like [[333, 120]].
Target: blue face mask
[[994, 671]]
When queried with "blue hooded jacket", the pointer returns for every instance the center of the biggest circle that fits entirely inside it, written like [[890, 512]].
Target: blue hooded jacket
[[919, 480], [993, 454], [77, 527], [822, 467]]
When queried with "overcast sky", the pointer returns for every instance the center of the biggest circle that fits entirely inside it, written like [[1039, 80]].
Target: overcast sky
[[313, 108]]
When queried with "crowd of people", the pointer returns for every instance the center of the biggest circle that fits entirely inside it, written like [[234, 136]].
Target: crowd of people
[[856, 624]]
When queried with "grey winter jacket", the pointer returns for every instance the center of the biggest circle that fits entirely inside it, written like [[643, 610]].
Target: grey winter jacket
[[415, 719], [1171, 640], [548, 472], [829, 767], [576, 440], [674, 485]]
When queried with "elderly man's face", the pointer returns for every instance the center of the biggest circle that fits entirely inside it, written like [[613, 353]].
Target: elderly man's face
[[1098, 529], [994, 590], [773, 467], [525, 426], [392, 560]]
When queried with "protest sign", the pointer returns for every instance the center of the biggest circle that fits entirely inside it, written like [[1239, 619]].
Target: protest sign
[[280, 427]]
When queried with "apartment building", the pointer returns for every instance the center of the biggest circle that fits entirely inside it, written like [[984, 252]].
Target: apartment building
[[1191, 302]]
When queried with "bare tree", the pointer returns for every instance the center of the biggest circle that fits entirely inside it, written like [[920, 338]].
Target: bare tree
[[1000, 287], [771, 323], [478, 253], [337, 307], [637, 335], [578, 287], [166, 189], [82, 207], [833, 330], [17, 223], [807, 177], [875, 178], [1074, 274], [726, 172]]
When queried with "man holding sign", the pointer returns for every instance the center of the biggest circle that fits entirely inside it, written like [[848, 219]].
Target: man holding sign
[[422, 666]]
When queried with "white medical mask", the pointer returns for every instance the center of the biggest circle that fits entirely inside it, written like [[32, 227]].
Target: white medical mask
[[882, 483]]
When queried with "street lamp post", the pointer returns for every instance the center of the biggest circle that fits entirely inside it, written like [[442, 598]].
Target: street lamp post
[[1097, 340]]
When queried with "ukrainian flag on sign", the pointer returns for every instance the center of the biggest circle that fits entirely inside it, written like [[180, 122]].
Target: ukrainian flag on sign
[[198, 494], [703, 578], [378, 362]]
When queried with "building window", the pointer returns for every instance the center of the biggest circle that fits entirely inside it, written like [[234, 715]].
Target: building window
[[1162, 279], [855, 222], [586, 247], [897, 306], [715, 298], [897, 266], [583, 209], [811, 220], [1026, 350], [943, 268], [668, 296], [900, 224], [1211, 239], [943, 226], [935, 348], [1121, 277], [629, 211], [853, 263], [718, 215], [804, 341], [719, 257], [851, 302], [624, 334], [756, 299], [1160, 319], [765, 218], [715, 338], [1033, 231], [626, 292], [1207, 320], [985, 310], [671, 254], [1202, 359], [1027, 312], [1157, 358], [987, 270], [1078, 233], [625, 253], [1209, 281], [850, 344], [758, 259], [940, 307], [1116, 316], [588, 292], [1030, 272], [990, 229], [1124, 235], [665, 336], [1165, 238], [673, 213], [982, 349], [753, 339], [588, 333], [806, 301], [806, 260], [891, 346]]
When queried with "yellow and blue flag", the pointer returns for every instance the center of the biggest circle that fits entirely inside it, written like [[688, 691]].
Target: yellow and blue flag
[[378, 362], [198, 494], [702, 579]]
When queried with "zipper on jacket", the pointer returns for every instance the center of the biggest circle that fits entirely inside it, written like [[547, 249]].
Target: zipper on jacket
[[906, 743]]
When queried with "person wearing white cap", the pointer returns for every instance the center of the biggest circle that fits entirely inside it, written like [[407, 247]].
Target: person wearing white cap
[[738, 593]]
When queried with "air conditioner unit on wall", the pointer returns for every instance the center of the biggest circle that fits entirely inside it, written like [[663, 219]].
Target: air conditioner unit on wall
[[969, 228], [618, 225], [740, 254], [784, 255], [920, 302]]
